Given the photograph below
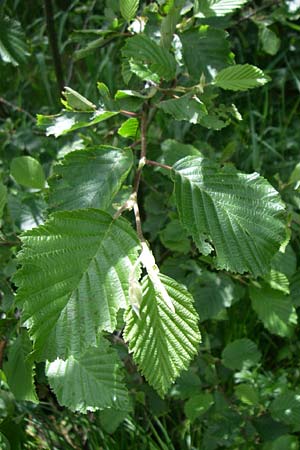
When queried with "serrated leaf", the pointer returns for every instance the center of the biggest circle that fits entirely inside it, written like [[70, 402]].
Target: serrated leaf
[[3, 198], [146, 55], [89, 178], [19, 369], [286, 408], [129, 8], [274, 309], [198, 405], [205, 50], [240, 214], [28, 172], [129, 128], [13, 47], [90, 381], [240, 354], [67, 121], [188, 107], [74, 278], [211, 8], [163, 343], [240, 77]]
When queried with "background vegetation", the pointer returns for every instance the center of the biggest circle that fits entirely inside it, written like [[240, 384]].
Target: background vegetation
[[242, 390]]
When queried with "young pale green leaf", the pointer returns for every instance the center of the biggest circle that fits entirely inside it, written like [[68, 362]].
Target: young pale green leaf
[[240, 78], [240, 354], [240, 214], [129, 8], [28, 172], [75, 101], [163, 342], [19, 369], [3, 198], [146, 58], [74, 278], [205, 51], [67, 121], [274, 309], [286, 408], [89, 178], [13, 47], [198, 405], [129, 128], [188, 108], [211, 8], [90, 381]]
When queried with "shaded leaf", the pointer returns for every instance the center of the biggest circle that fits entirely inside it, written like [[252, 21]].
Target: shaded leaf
[[89, 178], [13, 47], [286, 408], [19, 369], [198, 405], [188, 108], [274, 309], [270, 41], [28, 172], [3, 198], [90, 381], [240, 354]]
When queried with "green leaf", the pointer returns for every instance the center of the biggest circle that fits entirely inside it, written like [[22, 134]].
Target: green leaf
[[285, 442], [240, 354], [129, 8], [28, 172], [111, 419], [240, 214], [274, 309], [205, 50], [19, 369], [147, 58], [173, 150], [67, 121], [213, 293], [168, 24], [188, 108], [286, 408], [270, 41], [198, 405], [173, 237], [89, 178], [90, 381], [4, 442], [240, 78], [210, 8], [163, 342], [3, 198], [247, 393], [129, 128], [13, 47], [74, 278], [295, 289], [76, 101]]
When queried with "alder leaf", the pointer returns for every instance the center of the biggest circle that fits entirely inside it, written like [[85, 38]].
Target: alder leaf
[[240, 354], [129, 8], [239, 214], [163, 342], [241, 77], [90, 381], [74, 278], [188, 107], [89, 178], [211, 8], [149, 58], [13, 47]]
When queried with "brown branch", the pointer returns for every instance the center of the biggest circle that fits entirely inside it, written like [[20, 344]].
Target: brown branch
[[16, 108], [157, 164]]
